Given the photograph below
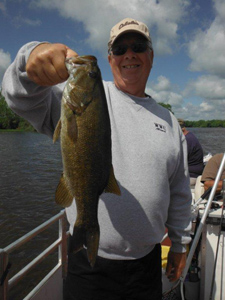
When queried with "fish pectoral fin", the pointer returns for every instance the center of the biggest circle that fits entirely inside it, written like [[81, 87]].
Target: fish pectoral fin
[[112, 186], [63, 196], [57, 131], [86, 237], [72, 129]]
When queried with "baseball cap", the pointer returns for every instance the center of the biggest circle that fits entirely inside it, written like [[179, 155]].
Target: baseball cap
[[181, 122], [128, 25]]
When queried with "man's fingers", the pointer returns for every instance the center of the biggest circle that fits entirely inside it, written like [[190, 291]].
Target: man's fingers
[[70, 53], [169, 271], [57, 70], [46, 64], [175, 265]]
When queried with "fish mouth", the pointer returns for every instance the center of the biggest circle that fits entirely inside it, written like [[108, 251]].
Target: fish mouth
[[78, 61]]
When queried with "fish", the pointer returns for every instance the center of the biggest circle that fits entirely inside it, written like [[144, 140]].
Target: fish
[[85, 138]]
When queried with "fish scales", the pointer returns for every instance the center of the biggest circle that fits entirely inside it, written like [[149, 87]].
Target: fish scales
[[85, 134]]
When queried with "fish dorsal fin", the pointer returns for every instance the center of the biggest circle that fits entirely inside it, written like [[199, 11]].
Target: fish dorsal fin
[[112, 186], [57, 131], [63, 196]]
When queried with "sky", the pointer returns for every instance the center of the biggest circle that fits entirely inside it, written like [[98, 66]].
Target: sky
[[188, 40]]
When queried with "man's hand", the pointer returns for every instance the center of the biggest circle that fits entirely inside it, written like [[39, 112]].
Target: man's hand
[[210, 183], [175, 265], [46, 64]]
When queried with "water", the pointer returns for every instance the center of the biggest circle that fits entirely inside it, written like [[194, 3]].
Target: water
[[30, 167], [30, 170], [211, 139]]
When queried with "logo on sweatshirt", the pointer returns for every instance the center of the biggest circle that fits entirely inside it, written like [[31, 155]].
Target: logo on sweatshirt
[[160, 127]]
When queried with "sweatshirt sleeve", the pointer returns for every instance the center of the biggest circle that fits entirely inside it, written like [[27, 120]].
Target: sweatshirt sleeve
[[179, 214], [37, 104]]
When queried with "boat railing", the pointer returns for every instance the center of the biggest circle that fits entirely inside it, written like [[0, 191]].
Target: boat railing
[[6, 284]]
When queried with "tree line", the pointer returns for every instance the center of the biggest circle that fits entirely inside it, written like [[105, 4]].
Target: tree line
[[10, 120], [199, 123], [205, 123]]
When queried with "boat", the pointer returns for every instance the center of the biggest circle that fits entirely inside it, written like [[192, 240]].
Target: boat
[[204, 275], [202, 279], [51, 286]]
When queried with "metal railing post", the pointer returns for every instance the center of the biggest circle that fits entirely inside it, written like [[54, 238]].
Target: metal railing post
[[63, 246], [3, 276], [60, 244], [201, 225]]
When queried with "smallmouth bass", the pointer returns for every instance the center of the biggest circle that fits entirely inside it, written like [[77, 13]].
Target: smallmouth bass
[[85, 134]]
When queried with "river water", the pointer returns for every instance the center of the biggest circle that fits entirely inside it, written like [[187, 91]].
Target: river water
[[30, 168]]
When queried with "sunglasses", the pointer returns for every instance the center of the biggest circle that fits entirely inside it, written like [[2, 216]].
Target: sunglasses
[[137, 47]]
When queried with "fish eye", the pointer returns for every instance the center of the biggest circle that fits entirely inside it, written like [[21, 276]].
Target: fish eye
[[93, 74]]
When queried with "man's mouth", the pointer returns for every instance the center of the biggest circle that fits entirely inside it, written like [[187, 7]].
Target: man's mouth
[[131, 66]]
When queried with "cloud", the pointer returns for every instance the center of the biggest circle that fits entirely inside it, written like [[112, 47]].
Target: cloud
[[31, 22], [209, 92], [206, 110], [163, 91], [163, 84], [195, 102], [5, 60], [220, 9], [98, 17], [3, 7], [206, 49], [206, 107], [20, 19], [208, 87]]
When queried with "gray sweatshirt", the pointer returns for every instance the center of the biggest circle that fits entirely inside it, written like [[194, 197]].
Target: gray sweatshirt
[[149, 156]]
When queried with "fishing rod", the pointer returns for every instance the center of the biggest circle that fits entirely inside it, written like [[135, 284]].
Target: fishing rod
[[203, 196], [193, 210], [217, 248], [200, 228]]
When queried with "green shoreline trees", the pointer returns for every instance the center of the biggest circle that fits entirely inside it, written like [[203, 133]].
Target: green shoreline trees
[[10, 120]]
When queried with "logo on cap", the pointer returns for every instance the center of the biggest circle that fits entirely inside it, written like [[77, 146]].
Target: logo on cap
[[128, 23]]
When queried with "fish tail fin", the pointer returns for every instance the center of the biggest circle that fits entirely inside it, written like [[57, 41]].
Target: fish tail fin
[[92, 239], [89, 238]]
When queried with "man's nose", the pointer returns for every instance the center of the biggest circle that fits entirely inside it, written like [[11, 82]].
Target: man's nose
[[130, 53]]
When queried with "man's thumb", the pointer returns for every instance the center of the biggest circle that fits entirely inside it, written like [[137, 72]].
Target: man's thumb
[[70, 53]]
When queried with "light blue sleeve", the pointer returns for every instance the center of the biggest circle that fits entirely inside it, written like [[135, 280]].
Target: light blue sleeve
[[37, 104], [179, 214]]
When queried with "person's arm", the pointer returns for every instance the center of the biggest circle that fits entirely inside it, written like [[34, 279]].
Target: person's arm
[[179, 214], [210, 183], [175, 265], [30, 84], [210, 172]]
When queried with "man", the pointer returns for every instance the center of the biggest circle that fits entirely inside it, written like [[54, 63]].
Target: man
[[149, 160], [195, 153], [210, 172]]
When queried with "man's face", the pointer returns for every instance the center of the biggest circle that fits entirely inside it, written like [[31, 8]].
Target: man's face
[[131, 70]]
